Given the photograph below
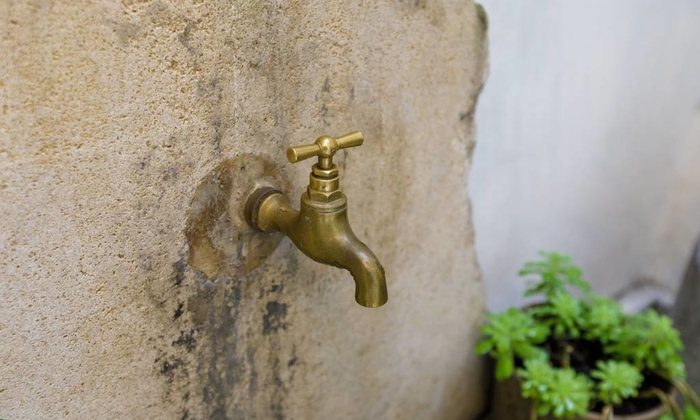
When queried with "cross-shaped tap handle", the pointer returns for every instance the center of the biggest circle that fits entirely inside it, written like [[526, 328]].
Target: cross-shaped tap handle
[[324, 147]]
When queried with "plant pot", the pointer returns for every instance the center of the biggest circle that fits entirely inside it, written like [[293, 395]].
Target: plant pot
[[508, 404]]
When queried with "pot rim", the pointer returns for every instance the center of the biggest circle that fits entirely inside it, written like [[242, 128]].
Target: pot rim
[[644, 415]]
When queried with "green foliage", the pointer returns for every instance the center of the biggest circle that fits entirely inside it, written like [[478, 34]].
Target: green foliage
[[536, 378], [559, 392], [570, 395], [555, 272], [617, 381], [689, 413], [602, 320], [562, 313], [634, 344], [648, 340], [509, 334]]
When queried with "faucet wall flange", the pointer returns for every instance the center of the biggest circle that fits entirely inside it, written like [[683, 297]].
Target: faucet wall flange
[[221, 242], [252, 205]]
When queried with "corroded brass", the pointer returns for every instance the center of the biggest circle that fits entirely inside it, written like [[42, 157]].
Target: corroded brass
[[320, 229]]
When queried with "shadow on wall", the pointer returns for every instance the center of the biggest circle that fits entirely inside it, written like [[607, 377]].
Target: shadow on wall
[[687, 320]]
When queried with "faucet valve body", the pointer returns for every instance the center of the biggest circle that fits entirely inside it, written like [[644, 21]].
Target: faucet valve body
[[320, 229]]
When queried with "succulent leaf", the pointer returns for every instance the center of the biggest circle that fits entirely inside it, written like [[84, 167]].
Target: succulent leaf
[[649, 340], [563, 314], [559, 392], [509, 334], [617, 381], [602, 320], [556, 272]]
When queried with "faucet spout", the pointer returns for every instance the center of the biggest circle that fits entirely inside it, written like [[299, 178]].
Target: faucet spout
[[370, 280], [323, 233]]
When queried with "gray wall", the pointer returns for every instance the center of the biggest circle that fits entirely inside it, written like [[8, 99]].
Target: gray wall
[[589, 141]]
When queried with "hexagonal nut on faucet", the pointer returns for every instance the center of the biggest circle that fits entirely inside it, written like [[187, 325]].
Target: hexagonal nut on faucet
[[324, 196], [325, 173]]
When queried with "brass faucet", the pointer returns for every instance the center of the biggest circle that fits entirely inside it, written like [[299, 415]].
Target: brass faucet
[[320, 229]]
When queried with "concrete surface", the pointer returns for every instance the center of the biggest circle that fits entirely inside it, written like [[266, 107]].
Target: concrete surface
[[589, 141], [112, 113]]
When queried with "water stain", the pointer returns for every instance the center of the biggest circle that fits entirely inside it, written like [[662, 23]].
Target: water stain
[[179, 311], [220, 241], [186, 340], [273, 320]]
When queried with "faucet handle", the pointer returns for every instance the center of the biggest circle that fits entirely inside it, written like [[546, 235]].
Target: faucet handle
[[324, 147]]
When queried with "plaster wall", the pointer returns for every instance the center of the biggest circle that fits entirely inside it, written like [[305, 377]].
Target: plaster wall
[[112, 113], [589, 141]]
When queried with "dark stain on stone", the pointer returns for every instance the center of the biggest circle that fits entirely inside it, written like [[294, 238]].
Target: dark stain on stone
[[184, 37], [324, 113], [275, 290], [250, 359], [186, 340], [278, 392], [223, 370], [229, 334], [179, 311], [292, 266], [168, 368], [291, 363], [179, 268], [273, 320], [145, 161], [198, 307], [277, 411], [170, 173], [326, 85], [217, 134], [463, 116]]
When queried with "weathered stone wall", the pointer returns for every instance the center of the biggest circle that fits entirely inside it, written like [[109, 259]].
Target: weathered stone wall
[[112, 113]]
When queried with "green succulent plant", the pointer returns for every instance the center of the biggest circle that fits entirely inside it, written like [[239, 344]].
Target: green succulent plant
[[556, 272], [509, 334], [562, 313], [536, 378], [650, 341], [570, 395], [560, 392], [572, 331], [617, 381], [602, 320]]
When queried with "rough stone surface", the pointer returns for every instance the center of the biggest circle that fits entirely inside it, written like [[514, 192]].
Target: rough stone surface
[[112, 113]]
